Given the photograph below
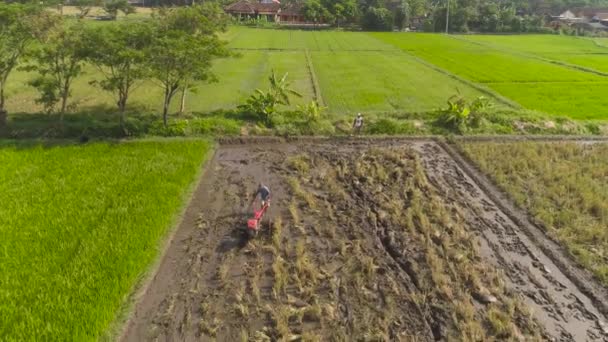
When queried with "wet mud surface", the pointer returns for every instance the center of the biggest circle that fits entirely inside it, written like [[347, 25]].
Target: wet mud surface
[[390, 240]]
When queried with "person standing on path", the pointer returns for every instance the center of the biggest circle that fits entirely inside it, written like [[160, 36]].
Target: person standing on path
[[358, 124]]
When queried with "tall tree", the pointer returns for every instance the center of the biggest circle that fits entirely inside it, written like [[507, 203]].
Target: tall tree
[[184, 47], [58, 62], [114, 6], [314, 11], [85, 6], [342, 11], [377, 19], [19, 26], [119, 53]]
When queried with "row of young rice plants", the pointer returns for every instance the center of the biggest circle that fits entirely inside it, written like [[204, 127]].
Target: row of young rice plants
[[562, 184], [597, 62], [266, 39], [238, 77], [535, 84], [480, 63], [79, 226], [357, 72], [382, 82], [542, 44], [581, 100], [572, 50]]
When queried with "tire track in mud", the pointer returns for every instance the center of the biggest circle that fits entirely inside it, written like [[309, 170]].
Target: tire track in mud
[[557, 302]]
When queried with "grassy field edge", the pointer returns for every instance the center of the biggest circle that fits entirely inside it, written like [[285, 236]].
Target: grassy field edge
[[118, 326]]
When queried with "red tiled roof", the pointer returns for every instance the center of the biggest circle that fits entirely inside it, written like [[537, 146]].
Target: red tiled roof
[[245, 6], [241, 7], [292, 10], [268, 8]]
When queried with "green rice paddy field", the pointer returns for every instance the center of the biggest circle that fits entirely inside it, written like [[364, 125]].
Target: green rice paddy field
[[79, 224], [385, 73]]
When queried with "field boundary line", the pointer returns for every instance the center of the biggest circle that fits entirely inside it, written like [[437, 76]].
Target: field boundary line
[[583, 279], [502, 99], [545, 82], [268, 140], [598, 44], [595, 42], [534, 56], [536, 138], [315, 50], [118, 327], [313, 79]]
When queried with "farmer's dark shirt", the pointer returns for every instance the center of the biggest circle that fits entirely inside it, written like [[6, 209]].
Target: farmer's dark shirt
[[264, 192]]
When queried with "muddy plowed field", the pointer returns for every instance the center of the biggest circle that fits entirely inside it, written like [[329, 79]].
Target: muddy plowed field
[[373, 241]]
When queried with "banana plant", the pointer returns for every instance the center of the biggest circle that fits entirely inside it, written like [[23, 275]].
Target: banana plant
[[264, 104], [460, 114], [311, 111]]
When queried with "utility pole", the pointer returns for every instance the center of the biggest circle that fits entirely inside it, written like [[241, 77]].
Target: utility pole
[[447, 18]]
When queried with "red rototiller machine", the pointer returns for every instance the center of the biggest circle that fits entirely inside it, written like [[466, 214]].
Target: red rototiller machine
[[254, 223]]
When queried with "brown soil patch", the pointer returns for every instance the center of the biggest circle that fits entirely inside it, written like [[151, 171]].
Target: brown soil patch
[[390, 240]]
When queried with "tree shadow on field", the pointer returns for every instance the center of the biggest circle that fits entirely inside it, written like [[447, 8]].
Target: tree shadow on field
[[94, 121], [103, 122]]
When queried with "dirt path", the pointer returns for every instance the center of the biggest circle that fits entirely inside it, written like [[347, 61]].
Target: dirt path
[[390, 240]]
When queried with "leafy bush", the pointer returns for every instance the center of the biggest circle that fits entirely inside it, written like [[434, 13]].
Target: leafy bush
[[390, 127], [215, 126], [196, 126], [320, 127], [461, 115], [593, 128], [377, 19], [264, 104], [287, 129], [307, 120], [311, 112], [173, 128]]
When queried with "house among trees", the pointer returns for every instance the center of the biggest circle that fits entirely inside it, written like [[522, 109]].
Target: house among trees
[[270, 10], [593, 19]]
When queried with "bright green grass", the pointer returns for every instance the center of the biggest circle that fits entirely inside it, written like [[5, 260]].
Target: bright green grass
[[247, 38], [375, 81], [535, 84], [601, 41], [597, 62], [480, 63], [238, 78], [574, 100], [572, 50], [563, 185], [545, 45], [79, 225]]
